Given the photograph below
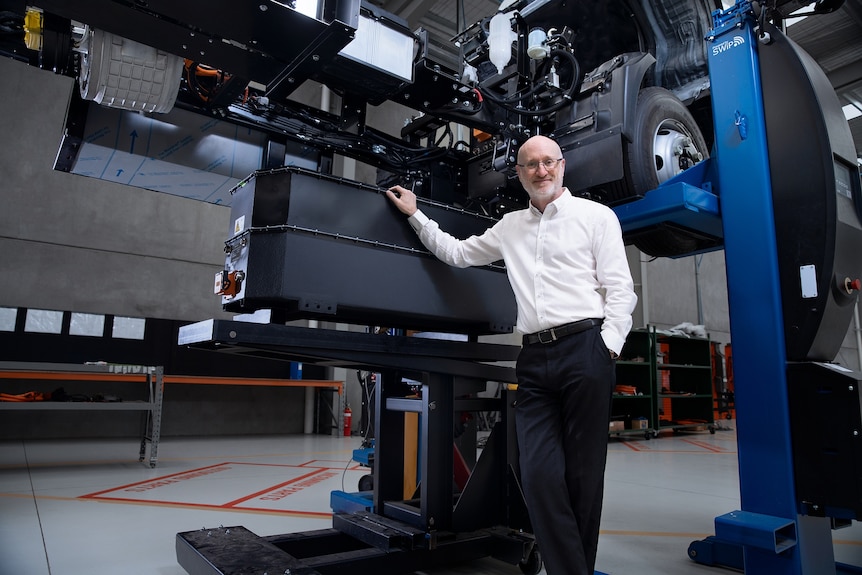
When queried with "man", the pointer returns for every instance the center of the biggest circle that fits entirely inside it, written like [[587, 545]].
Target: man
[[566, 262]]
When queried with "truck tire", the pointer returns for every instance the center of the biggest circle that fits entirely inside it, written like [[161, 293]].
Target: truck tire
[[666, 141]]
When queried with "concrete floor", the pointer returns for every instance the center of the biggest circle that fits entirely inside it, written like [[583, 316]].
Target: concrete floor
[[89, 507]]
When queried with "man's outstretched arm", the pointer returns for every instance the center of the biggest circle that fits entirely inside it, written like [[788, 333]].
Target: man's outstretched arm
[[474, 251]]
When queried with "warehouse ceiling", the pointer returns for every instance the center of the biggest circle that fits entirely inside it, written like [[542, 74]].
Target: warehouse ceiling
[[835, 42], [834, 39]]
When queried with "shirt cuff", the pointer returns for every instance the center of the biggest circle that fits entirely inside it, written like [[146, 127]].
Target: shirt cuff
[[418, 220], [612, 341]]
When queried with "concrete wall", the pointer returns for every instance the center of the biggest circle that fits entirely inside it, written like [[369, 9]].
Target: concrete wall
[[81, 244], [672, 289]]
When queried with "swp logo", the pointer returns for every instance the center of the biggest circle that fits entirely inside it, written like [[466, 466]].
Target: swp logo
[[727, 45]]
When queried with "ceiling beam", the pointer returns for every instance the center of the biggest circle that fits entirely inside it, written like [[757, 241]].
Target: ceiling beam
[[410, 10], [845, 77]]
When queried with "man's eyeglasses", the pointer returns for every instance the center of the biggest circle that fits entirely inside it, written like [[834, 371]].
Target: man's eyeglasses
[[548, 164]]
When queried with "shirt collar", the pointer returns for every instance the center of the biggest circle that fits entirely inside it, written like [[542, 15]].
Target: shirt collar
[[554, 207]]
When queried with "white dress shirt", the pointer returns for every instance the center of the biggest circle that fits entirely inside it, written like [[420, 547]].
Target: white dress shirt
[[564, 264]]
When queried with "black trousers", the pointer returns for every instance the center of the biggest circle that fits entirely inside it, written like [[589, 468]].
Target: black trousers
[[561, 415]]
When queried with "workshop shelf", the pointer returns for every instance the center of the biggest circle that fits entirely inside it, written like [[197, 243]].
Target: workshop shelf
[[143, 392], [684, 383], [632, 410], [664, 382]]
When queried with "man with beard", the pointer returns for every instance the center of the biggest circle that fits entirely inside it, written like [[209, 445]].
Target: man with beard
[[567, 266]]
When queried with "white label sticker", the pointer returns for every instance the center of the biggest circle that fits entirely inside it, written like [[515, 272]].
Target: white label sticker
[[808, 279], [238, 225]]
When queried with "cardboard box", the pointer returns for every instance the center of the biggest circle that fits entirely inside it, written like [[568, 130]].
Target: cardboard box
[[617, 426], [639, 423]]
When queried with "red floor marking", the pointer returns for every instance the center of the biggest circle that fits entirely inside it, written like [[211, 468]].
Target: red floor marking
[[172, 478], [706, 446], [325, 463], [269, 489], [312, 514], [271, 492]]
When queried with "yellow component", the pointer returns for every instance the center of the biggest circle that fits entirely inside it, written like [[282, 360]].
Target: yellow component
[[511, 387], [411, 454], [33, 29]]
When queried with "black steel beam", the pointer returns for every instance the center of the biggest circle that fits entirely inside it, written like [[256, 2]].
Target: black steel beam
[[354, 349]]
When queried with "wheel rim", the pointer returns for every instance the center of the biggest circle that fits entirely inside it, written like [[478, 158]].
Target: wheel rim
[[673, 150]]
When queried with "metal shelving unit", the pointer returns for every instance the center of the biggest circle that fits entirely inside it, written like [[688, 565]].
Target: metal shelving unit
[[683, 377], [634, 395], [664, 382], [152, 376]]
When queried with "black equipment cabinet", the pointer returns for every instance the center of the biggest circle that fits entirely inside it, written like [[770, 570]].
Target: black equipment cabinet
[[443, 523]]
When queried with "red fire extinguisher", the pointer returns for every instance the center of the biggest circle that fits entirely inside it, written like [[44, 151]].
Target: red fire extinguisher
[[348, 419]]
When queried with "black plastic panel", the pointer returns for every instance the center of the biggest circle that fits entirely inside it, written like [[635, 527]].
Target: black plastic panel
[[826, 427], [814, 180]]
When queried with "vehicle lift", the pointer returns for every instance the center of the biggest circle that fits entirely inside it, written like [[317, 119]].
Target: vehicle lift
[[798, 421], [798, 415]]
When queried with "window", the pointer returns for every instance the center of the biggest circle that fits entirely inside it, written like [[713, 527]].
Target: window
[[128, 328], [8, 316], [87, 324], [44, 321], [852, 111]]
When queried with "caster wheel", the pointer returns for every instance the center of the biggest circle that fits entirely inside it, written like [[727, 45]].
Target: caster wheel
[[366, 483], [533, 563]]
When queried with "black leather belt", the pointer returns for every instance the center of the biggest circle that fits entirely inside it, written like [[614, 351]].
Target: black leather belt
[[555, 333]]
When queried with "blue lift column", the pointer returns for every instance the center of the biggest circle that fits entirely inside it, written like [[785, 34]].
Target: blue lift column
[[774, 538]]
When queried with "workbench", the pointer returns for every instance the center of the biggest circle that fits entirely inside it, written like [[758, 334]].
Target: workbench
[[154, 379], [150, 376]]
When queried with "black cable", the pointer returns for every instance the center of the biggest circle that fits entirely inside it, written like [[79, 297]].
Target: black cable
[[567, 96]]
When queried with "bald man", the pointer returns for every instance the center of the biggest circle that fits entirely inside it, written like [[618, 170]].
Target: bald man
[[566, 262]]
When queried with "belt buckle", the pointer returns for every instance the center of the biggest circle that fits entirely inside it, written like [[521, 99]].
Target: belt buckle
[[550, 331]]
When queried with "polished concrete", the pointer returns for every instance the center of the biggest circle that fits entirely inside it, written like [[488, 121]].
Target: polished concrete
[[89, 507]]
